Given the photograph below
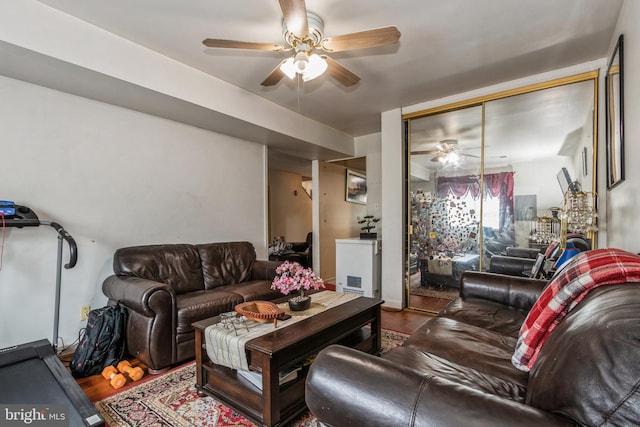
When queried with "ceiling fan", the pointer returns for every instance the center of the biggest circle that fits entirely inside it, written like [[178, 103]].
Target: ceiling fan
[[446, 151], [303, 34]]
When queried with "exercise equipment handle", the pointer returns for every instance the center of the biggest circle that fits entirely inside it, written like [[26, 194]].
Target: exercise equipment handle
[[73, 248]]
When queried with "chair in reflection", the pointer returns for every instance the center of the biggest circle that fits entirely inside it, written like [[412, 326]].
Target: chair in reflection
[[300, 252]]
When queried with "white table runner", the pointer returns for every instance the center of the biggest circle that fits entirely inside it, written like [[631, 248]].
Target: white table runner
[[226, 348]]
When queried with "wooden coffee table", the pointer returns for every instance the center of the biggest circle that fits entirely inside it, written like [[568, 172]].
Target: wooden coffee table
[[281, 350]]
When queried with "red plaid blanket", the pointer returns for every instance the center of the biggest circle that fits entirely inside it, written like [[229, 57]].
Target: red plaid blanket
[[584, 272]]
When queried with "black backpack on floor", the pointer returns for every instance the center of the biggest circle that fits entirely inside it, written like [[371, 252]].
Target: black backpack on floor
[[101, 342]]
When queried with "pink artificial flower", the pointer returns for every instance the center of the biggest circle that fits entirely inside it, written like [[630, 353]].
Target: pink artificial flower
[[294, 277]]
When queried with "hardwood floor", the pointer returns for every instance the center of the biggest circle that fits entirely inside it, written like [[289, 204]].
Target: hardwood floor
[[406, 321], [430, 304]]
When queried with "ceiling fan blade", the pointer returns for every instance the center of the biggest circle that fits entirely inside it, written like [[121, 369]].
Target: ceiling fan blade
[[420, 153], [234, 44], [340, 73], [469, 155], [274, 76], [447, 145], [295, 17], [449, 141], [362, 39]]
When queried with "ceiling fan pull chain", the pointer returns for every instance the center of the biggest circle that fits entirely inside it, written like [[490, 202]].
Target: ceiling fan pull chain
[[299, 84]]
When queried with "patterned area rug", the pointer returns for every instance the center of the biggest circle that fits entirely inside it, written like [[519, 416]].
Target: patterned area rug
[[171, 400]]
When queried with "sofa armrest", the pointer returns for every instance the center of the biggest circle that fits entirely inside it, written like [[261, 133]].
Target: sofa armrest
[[346, 387], [510, 265], [523, 252], [264, 270], [519, 292], [299, 246], [137, 294]]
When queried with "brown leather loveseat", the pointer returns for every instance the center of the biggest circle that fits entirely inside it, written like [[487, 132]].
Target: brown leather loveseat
[[168, 287], [456, 370]]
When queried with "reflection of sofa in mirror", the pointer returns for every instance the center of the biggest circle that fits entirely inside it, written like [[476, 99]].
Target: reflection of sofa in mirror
[[523, 252], [519, 261], [516, 261], [510, 265]]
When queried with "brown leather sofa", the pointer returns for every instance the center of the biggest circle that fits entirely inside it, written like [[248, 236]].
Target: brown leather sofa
[[511, 265], [168, 287], [517, 261], [456, 370]]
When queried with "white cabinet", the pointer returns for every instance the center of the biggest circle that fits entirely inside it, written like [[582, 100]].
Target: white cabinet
[[358, 267]]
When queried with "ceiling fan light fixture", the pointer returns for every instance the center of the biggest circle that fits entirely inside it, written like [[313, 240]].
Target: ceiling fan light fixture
[[301, 62], [452, 158], [315, 67], [309, 66], [288, 68]]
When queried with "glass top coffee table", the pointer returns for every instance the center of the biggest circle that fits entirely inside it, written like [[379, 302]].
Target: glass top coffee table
[[355, 323]]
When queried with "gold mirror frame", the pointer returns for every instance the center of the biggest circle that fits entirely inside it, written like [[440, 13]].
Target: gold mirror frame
[[407, 118]]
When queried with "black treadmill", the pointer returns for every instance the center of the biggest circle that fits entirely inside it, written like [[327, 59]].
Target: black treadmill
[[33, 381], [32, 378]]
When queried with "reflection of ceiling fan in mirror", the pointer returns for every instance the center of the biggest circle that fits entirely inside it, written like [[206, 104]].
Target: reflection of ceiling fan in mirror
[[447, 151], [303, 33]]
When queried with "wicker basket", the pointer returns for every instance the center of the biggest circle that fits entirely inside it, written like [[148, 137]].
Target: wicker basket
[[260, 311]]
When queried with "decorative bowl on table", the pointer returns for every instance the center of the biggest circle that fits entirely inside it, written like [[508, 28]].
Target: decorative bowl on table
[[260, 311]]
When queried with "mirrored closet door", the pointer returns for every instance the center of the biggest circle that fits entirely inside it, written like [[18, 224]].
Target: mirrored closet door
[[481, 174]]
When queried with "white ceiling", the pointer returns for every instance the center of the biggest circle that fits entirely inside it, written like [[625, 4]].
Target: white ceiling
[[446, 47], [518, 129]]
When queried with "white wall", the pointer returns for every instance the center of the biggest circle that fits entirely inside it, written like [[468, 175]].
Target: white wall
[[93, 62], [338, 219], [370, 146], [290, 206], [393, 209], [623, 201], [112, 177], [540, 179]]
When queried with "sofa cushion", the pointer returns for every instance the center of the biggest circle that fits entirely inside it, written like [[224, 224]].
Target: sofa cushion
[[177, 265], [486, 314], [253, 290], [425, 363], [226, 263], [201, 305], [588, 367], [469, 345]]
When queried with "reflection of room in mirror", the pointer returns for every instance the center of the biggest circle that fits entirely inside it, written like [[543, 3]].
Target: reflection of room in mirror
[[530, 135]]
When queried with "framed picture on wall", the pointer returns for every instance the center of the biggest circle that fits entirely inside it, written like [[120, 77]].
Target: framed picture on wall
[[356, 187]]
